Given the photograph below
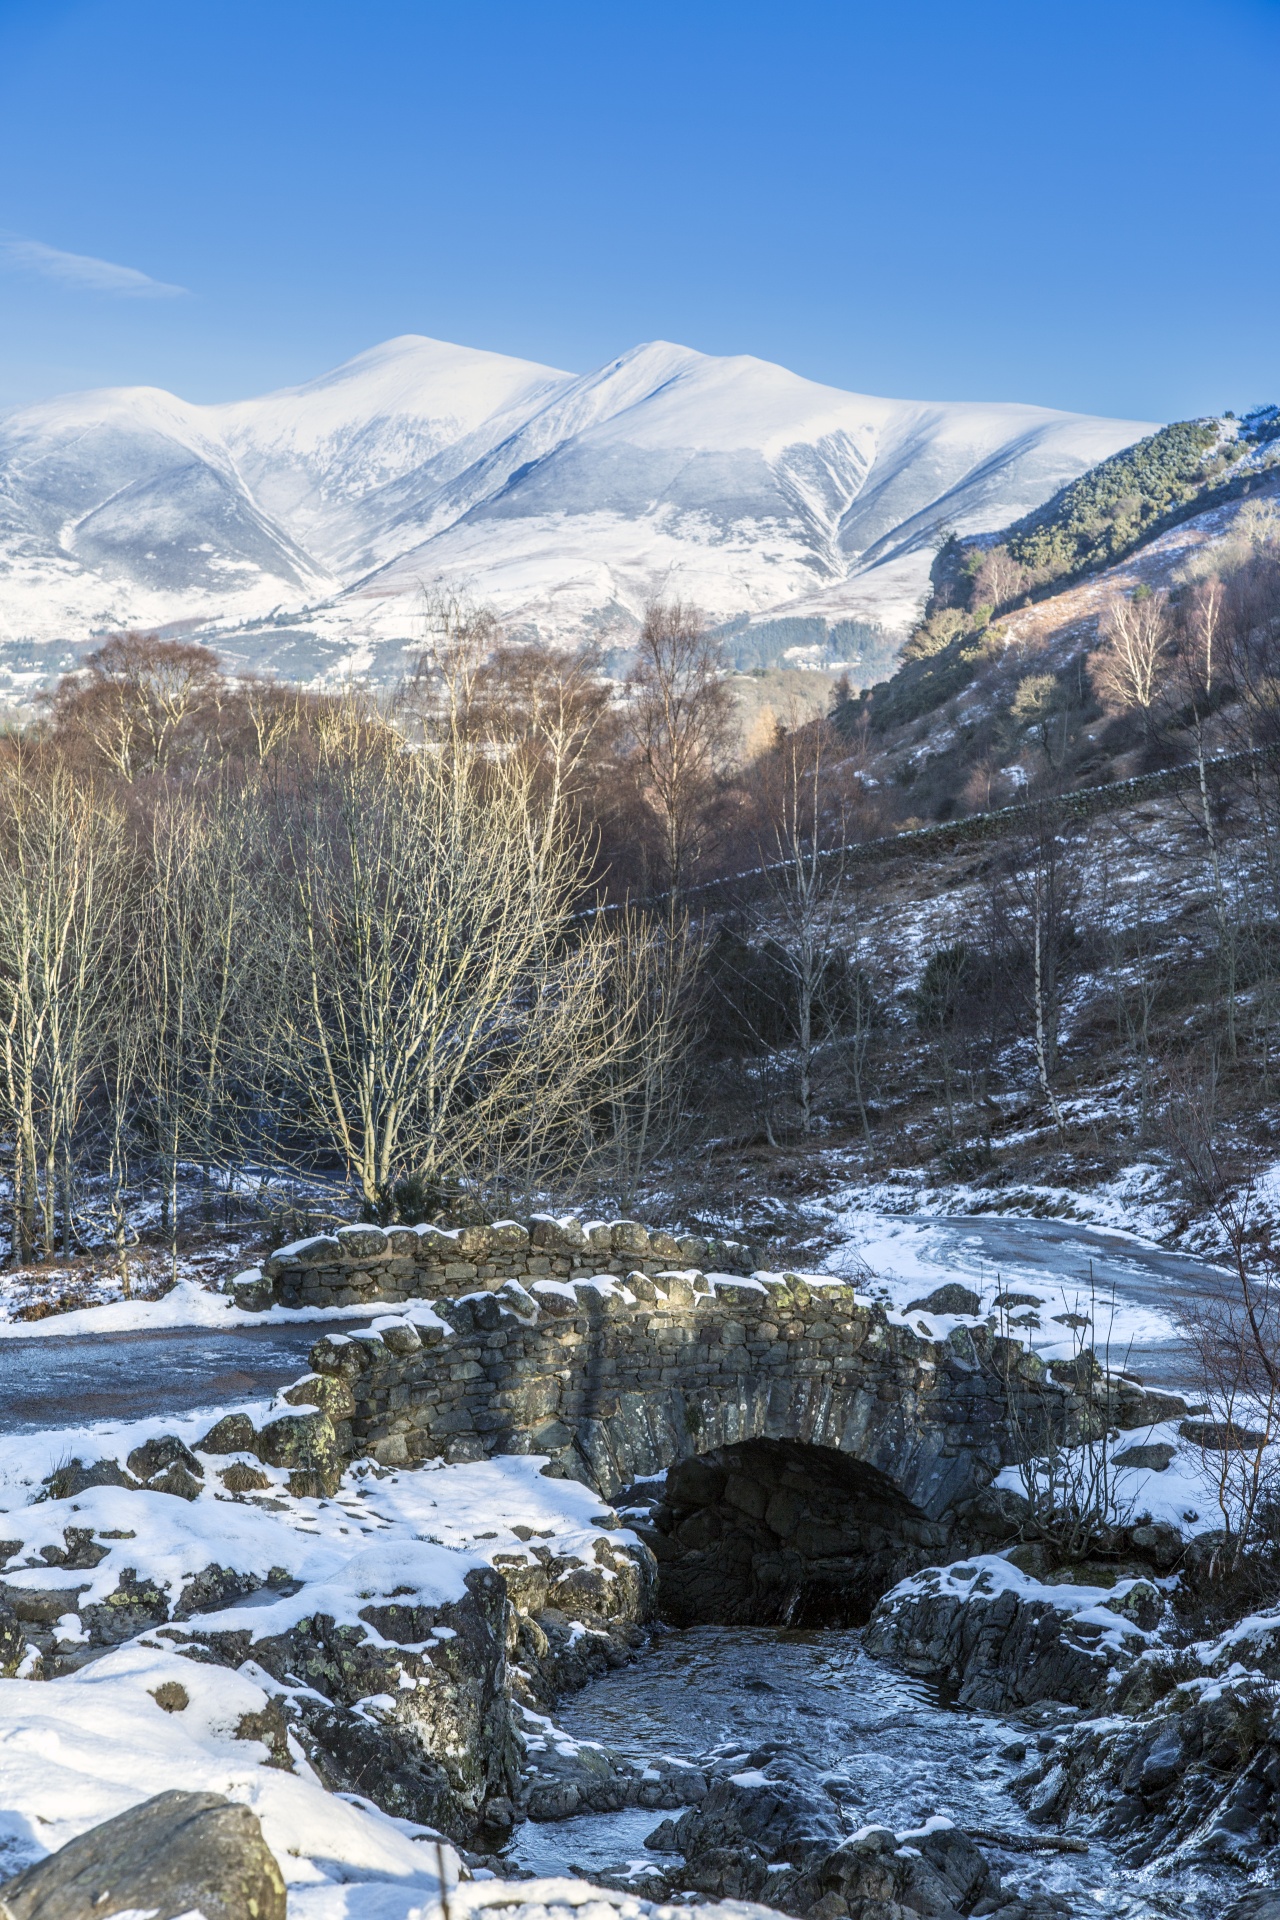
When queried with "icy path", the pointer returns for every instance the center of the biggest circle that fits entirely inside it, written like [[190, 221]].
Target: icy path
[[1058, 1261]]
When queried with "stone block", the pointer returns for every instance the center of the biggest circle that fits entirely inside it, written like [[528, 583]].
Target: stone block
[[361, 1243], [553, 1235], [314, 1252], [328, 1391], [628, 1236]]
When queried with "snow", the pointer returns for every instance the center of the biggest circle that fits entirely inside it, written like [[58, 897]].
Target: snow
[[188, 1304], [81, 1748], [910, 1258], [1184, 1495], [77, 1751], [986, 1576], [559, 498]]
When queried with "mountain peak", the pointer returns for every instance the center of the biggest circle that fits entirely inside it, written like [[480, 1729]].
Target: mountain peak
[[564, 499]]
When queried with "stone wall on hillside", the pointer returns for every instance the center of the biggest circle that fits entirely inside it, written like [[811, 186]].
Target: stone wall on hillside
[[360, 1264], [619, 1379]]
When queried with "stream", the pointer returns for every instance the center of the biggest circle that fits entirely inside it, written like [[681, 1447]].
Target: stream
[[61, 1379], [894, 1755]]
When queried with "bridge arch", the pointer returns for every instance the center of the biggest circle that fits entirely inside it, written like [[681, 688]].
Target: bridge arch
[[779, 1533]]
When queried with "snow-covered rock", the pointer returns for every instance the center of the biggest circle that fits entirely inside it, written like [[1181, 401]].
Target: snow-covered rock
[[1000, 1639]]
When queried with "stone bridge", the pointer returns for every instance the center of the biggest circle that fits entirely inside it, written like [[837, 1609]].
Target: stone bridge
[[814, 1447]]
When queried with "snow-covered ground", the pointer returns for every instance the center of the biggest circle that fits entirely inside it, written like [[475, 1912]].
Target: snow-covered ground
[[189, 1304], [78, 1749]]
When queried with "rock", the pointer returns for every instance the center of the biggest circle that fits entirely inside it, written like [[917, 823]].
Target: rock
[[328, 1391], [997, 1513], [175, 1854], [1195, 1771], [361, 1243], [387, 1706], [1011, 1301], [13, 1642], [771, 1830], [154, 1456], [1263, 1904], [307, 1445], [234, 1433], [1154, 1458], [951, 1298], [66, 1482], [253, 1293], [177, 1481], [1221, 1436], [566, 1779], [1003, 1641], [240, 1477], [1159, 1541]]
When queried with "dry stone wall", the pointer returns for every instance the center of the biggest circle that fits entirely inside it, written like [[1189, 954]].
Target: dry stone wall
[[618, 1378], [361, 1264]]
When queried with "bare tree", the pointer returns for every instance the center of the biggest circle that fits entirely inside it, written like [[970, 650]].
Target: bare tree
[[681, 715], [62, 884], [138, 701], [1038, 897], [1131, 665], [1233, 1326], [447, 1013]]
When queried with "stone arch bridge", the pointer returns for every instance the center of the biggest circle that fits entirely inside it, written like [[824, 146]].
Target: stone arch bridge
[[779, 1438]]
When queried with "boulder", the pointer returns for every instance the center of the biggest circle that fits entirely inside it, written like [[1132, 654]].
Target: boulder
[[253, 1292], [234, 1433], [1002, 1640], [770, 1830], [1221, 1436], [951, 1298], [306, 1444], [1154, 1458], [175, 1854], [66, 1482], [178, 1481], [153, 1457]]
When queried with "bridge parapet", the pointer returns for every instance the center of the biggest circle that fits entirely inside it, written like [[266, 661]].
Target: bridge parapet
[[360, 1264]]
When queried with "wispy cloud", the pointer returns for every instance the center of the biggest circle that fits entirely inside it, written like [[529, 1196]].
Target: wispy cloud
[[81, 270]]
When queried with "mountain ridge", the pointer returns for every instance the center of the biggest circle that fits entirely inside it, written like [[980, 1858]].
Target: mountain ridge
[[566, 500]]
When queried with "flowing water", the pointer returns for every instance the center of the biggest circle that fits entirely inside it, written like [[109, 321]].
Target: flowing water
[[893, 1752]]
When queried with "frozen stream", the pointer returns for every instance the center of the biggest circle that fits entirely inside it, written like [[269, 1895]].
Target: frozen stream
[[893, 1754], [915, 1253], [66, 1379]]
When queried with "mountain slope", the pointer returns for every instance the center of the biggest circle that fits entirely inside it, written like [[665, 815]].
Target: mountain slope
[[566, 500]]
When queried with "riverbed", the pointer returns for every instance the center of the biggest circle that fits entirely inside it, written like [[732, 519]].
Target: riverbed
[[894, 1753]]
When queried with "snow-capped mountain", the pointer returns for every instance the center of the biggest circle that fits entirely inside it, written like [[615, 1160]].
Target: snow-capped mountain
[[565, 501]]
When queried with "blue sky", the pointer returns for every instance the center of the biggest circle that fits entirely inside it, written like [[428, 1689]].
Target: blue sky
[[1075, 204]]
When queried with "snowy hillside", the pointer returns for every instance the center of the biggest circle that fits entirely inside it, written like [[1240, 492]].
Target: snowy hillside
[[301, 528]]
